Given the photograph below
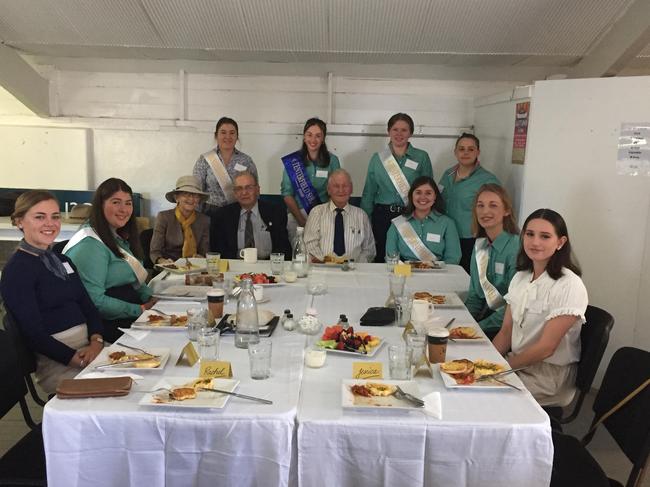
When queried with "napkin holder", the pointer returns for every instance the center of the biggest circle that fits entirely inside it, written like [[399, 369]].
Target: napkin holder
[[83, 388]]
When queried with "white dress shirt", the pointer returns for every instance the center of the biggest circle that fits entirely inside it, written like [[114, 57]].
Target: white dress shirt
[[319, 232], [260, 232]]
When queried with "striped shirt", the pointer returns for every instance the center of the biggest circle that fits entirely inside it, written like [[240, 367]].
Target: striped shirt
[[203, 172], [319, 232]]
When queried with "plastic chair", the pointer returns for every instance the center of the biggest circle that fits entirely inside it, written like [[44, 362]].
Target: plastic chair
[[630, 425], [145, 242], [24, 463], [59, 246], [594, 337], [25, 357]]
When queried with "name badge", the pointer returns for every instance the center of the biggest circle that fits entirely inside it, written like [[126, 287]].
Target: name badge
[[367, 370], [499, 267], [433, 237], [68, 268], [321, 173], [215, 369], [411, 164], [239, 167]]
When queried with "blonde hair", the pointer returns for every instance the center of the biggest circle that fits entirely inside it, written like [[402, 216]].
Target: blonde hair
[[27, 200], [509, 221]]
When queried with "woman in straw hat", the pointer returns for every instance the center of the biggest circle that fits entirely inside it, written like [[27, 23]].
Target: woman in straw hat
[[181, 231]]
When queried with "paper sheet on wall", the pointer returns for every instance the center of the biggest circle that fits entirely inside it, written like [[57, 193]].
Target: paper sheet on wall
[[634, 150], [520, 137]]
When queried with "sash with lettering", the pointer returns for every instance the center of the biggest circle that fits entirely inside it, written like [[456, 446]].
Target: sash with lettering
[[221, 174], [492, 295], [395, 174], [299, 180], [413, 240], [138, 270]]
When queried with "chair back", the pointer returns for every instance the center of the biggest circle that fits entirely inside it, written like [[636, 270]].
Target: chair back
[[59, 246], [594, 338], [630, 425], [25, 357], [11, 379], [145, 242]]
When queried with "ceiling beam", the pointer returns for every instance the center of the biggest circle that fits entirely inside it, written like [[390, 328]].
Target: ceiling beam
[[625, 40], [20, 79]]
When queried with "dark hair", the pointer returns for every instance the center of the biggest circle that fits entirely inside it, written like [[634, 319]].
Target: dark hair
[[323, 159], [98, 222], [509, 221], [438, 204], [465, 135], [404, 118], [27, 200], [561, 258], [224, 121]]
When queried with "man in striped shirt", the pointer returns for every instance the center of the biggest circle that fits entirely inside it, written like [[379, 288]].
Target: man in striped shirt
[[337, 229]]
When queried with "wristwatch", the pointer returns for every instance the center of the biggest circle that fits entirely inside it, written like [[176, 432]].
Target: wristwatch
[[98, 339]]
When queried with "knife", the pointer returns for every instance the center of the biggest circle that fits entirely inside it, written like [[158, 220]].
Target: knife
[[243, 396], [500, 374], [126, 362]]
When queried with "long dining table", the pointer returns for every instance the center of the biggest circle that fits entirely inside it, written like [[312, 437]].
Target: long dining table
[[485, 437]]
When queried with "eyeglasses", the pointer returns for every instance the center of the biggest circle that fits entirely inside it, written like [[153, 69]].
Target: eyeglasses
[[239, 189]]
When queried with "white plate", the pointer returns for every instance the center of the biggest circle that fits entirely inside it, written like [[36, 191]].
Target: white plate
[[182, 292], [197, 265], [102, 358], [204, 399], [371, 353], [480, 338], [350, 401], [326, 265], [450, 383], [451, 300], [440, 267]]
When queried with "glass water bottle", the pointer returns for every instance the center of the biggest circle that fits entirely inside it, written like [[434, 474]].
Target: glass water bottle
[[300, 257], [247, 327]]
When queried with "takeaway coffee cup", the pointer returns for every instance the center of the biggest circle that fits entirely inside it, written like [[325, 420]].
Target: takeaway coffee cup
[[437, 344], [249, 255], [215, 304]]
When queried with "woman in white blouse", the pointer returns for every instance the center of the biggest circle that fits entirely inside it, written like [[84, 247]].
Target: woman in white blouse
[[546, 306]]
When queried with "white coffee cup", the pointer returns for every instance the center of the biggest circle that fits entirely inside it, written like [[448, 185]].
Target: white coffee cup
[[421, 310], [249, 255], [258, 292]]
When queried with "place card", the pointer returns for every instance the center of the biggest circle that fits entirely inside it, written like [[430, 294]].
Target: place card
[[409, 329], [224, 265], [215, 369], [188, 356], [402, 270], [367, 370]]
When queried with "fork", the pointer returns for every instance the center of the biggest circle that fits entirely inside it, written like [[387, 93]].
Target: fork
[[158, 311], [400, 394], [135, 348]]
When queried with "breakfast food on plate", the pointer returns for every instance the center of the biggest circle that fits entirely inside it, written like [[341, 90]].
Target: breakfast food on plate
[[116, 356], [153, 319], [203, 279], [142, 360], [417, 264], [182, 393], [201, 383], [370, 389], [335, 337], [463, 333], [466, 372], [259, 278], [334, 259], [173, 320], [432, 298]]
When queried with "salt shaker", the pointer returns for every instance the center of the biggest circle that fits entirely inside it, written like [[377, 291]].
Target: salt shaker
[[288, 322]]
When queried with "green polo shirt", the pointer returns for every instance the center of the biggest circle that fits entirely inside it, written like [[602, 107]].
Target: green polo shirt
[[100, 270], [318, 177], [459, 196], [502, 265], [436, 231], [379, 188]]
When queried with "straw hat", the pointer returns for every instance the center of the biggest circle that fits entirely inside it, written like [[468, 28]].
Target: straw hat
[[186, 184]]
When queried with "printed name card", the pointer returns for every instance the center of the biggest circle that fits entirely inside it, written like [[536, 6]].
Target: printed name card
[[367, 370], [223, 265], [408, 330], [402, 270], [215, 369], [188, 356]]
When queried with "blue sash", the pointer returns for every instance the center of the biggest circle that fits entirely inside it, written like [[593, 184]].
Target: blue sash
[[299, 180]]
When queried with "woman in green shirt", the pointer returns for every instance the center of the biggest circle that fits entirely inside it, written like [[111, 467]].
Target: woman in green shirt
[[390, 175], [315, 162], [107, 254], [459, 185], [423, 232], [494, 259]]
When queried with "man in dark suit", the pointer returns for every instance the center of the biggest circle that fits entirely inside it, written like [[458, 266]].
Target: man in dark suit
[[249, 222]]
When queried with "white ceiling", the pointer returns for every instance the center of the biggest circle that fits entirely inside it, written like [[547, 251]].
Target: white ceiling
[[553, 33]]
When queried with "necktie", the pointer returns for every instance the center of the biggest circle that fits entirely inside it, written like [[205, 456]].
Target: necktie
[[339, 235], [249, 237]]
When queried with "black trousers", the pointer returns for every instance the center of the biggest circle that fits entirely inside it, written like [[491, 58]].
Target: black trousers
[[381, 218], [123, 293], [466, 247]]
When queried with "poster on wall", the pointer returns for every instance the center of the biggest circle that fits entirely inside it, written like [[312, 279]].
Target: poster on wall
[[521, 132], [634, 150]]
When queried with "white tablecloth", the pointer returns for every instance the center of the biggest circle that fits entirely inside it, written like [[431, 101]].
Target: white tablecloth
[[305, 438]]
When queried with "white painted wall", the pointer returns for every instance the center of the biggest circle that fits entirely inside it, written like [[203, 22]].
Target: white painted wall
[[571, 167]]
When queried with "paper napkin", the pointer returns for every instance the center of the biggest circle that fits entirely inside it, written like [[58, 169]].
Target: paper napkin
[[101, 375], [135, 334], [433, 405]]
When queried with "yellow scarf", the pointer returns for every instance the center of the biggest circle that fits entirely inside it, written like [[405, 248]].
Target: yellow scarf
[[189, 242]]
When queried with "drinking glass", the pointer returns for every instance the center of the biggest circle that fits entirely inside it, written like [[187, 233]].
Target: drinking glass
[[197, 318], [416, 345], [391, 261], [316, 283], [259, 355], [213, 259], [399, 362], [277, 263], [403, 305], [208, 340]]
